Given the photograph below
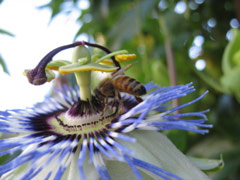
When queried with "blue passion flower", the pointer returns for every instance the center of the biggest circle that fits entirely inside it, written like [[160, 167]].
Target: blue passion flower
[[68, 136]]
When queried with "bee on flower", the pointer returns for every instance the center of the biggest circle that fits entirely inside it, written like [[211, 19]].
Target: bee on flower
[[106, 132]]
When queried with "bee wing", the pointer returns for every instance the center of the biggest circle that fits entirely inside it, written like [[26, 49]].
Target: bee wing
[[121, 71]]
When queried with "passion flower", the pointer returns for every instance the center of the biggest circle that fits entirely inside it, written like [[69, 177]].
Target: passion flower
[[74, 135]]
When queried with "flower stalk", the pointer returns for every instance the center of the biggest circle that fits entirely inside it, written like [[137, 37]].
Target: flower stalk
[[83, 78]]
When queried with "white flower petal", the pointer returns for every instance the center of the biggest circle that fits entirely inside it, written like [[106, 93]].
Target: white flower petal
[[155, 148], [122, 171]]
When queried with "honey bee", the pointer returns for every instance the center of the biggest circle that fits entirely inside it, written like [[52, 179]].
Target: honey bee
[[118, 82]]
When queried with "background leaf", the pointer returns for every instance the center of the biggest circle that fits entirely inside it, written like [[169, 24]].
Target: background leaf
[[6, 32], [4, 67], [232, 48]]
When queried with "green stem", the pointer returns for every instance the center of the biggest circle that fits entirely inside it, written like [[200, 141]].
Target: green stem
[[83, 78]]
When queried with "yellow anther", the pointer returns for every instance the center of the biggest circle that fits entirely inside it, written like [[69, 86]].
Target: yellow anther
[[125, 57], [107, 62], [119, 58], [52, 68]]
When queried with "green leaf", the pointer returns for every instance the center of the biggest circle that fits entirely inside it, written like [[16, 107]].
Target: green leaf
[[6, 33], [4, 67], [130, 22], [232, 48], [207, 164], [231, 81], [8, 157], [214, 83], [77, 67], [236, 58], [55, 6]]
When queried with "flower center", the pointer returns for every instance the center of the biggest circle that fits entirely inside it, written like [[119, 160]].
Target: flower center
[[85, 117]]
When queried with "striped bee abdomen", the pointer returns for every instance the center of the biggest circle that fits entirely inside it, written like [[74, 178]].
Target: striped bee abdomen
[[129, 85]]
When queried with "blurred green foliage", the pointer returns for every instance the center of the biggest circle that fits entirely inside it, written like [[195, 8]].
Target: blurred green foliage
[[4, 67], [144, 26], [2, 63]]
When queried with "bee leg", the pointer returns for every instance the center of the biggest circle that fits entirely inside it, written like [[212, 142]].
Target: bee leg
[[105, 103], [120, 102], [138, 99], [113, 103]]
